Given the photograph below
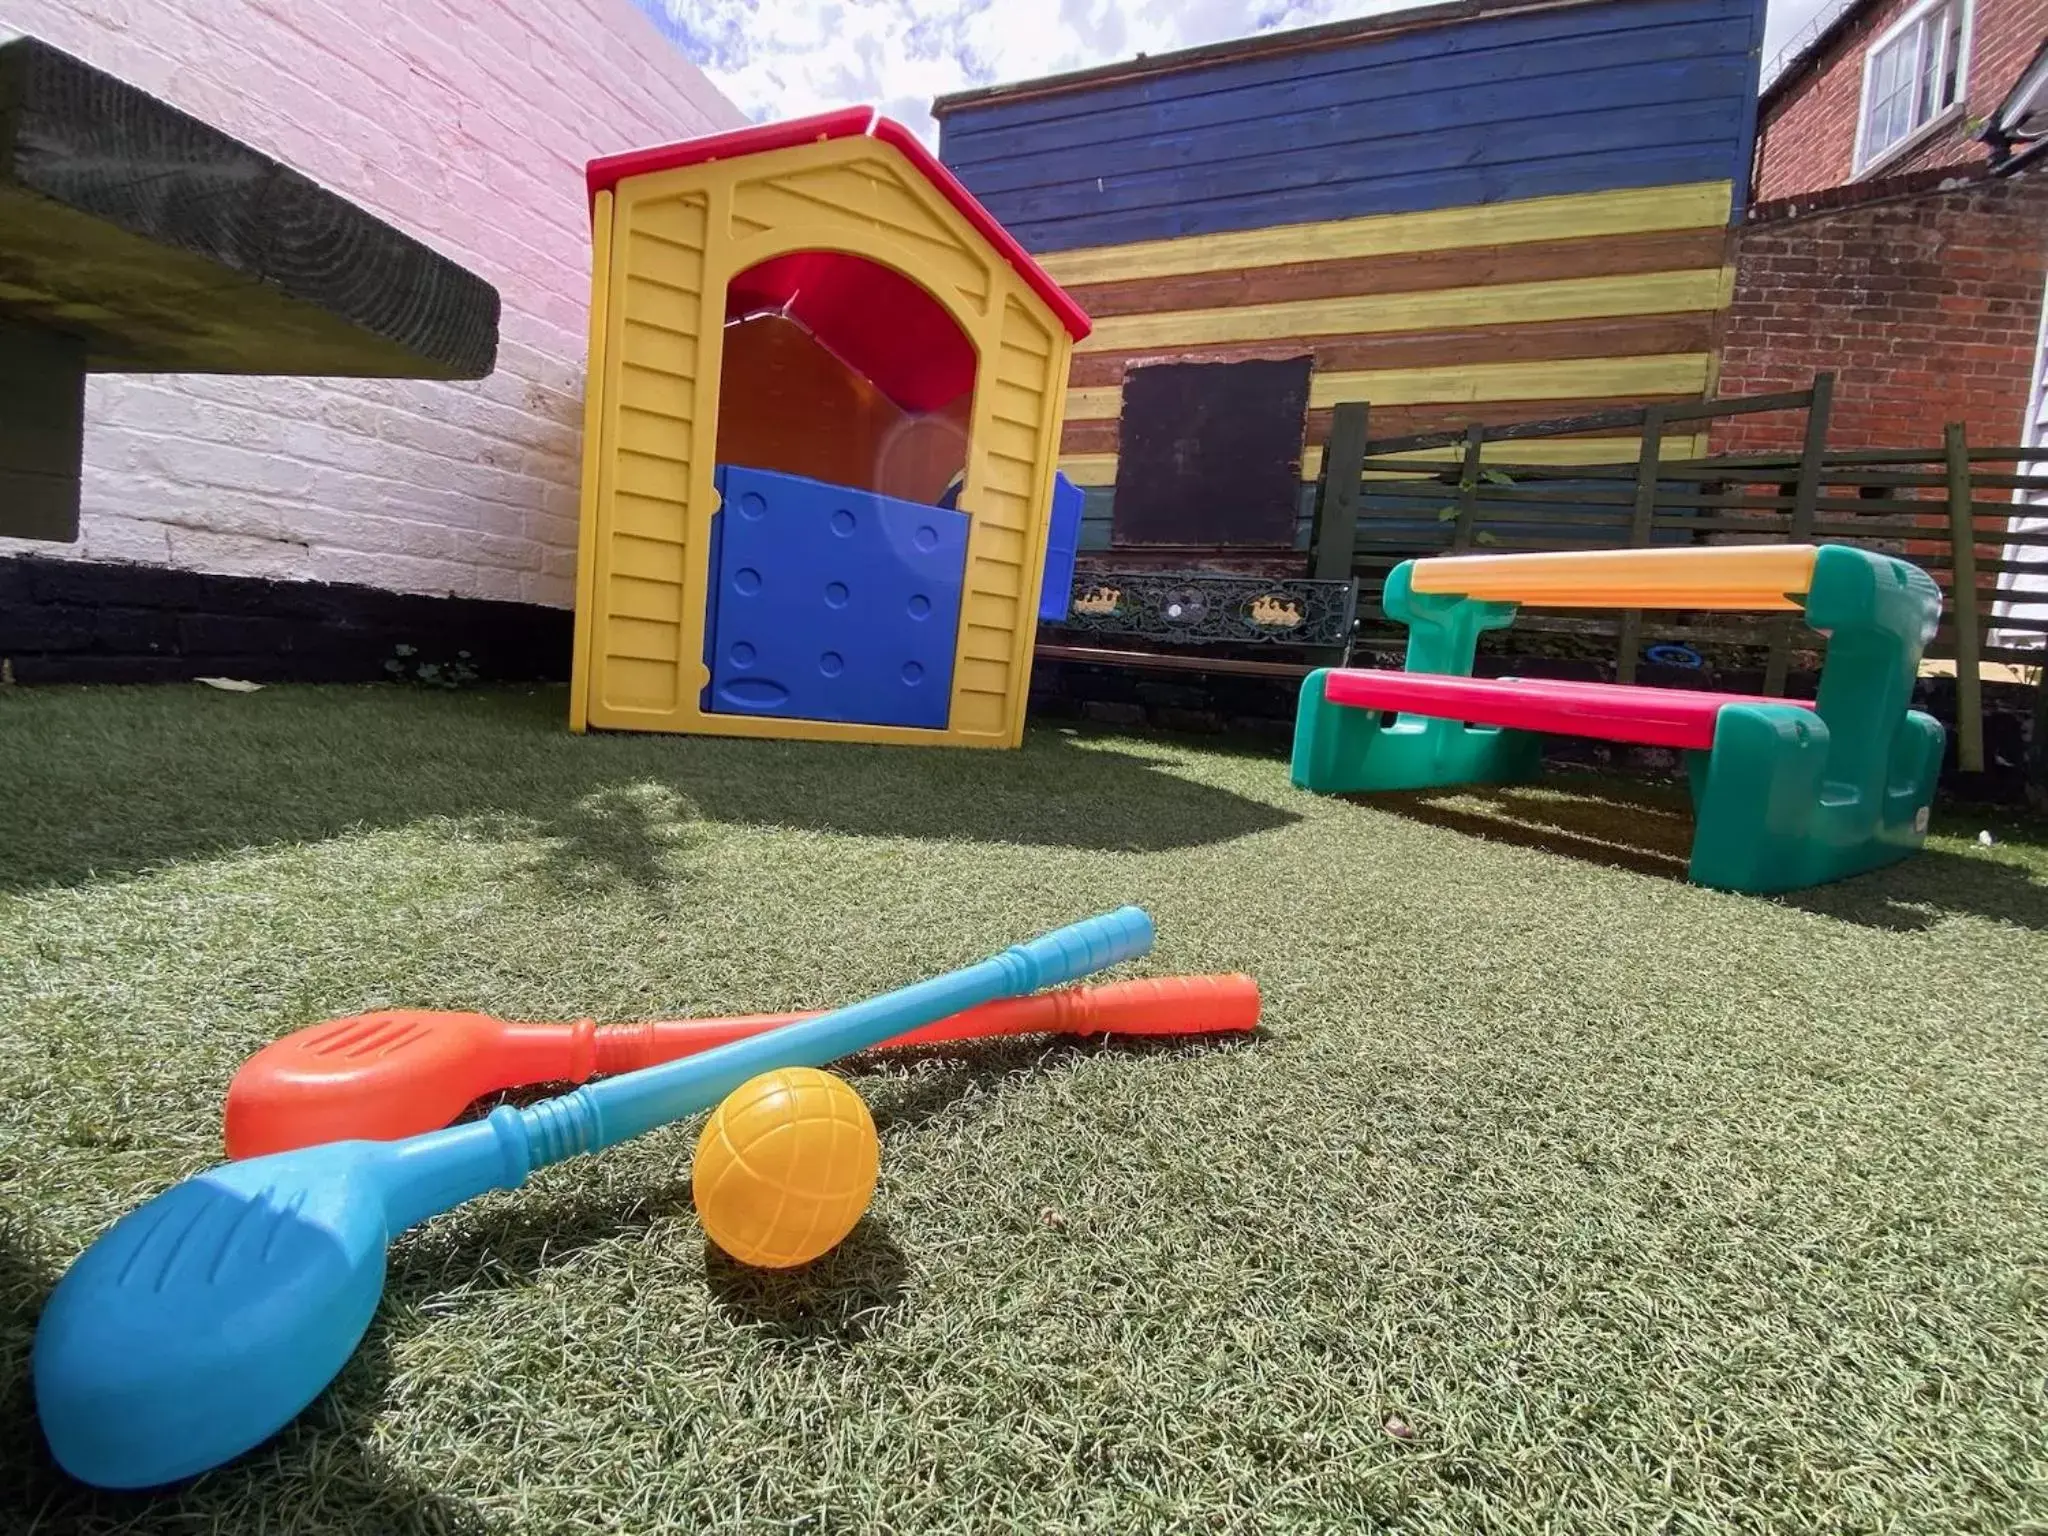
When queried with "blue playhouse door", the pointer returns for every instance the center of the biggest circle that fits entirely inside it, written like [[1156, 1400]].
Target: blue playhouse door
[[831, 604]]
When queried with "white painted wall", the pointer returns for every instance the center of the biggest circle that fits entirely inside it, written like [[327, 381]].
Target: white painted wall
[[465, 123], [2024, 593]]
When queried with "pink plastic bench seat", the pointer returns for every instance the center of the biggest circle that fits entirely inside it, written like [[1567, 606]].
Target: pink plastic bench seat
[[1652, 717]]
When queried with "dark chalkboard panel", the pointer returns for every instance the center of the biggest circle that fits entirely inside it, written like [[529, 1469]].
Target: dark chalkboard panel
[[1210, 454], [168, 246]]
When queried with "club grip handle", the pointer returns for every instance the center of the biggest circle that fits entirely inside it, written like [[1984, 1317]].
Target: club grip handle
[[1163, 1005], [1080, 949], [606, 1113]]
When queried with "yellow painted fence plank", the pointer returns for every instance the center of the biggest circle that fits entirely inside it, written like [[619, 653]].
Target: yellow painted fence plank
[[1578, 298], [1643, 210], [1672, 373], [1099, 469]]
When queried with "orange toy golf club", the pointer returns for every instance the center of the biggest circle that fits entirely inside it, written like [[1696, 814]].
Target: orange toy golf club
[[382, 1076]]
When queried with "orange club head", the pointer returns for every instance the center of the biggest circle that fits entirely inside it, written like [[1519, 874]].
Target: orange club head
[[382, 1076]]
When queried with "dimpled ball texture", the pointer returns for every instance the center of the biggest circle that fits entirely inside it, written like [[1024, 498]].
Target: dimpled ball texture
[[785, 1167]]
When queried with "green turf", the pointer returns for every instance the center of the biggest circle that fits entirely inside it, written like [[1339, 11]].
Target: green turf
[[1560, 1195]]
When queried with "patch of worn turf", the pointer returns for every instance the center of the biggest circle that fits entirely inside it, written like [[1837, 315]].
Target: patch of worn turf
[[1559, 1195]]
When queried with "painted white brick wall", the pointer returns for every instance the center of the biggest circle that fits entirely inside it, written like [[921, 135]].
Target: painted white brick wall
[[465, 123]]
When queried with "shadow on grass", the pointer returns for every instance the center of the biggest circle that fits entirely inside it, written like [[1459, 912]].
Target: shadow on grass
[[849, 1295], [320, 1469], [1644, 828], [1912, 896], [110, 781], [1647, 829], [943, 1075], [845, 1297]]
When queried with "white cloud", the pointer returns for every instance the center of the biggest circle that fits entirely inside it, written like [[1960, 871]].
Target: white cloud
[[1789, 19], [785, 58]]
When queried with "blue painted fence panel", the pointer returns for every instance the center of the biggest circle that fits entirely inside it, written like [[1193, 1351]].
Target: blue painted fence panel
[[1576, 137], [1633, 93], [1709, 86], [1291, 71], [1121, 134]]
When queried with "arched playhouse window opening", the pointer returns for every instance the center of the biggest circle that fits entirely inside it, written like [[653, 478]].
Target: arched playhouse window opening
[[841, 369]]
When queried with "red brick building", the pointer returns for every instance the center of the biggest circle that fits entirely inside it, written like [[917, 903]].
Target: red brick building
[[1923, 297], [1889, 87], [1898, 236], [1881, 244]]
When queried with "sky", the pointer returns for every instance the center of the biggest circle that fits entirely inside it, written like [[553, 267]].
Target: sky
[[786, 58]]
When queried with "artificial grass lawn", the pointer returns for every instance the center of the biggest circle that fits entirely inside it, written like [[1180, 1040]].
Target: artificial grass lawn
[[1559, 1195]]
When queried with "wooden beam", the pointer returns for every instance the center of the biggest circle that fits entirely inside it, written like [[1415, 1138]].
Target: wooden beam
[[1641, 521], [42, 432], [1335, 540], [1468, 489], [1805, 497], [1407, 272], [1460, 346], [169, 246]]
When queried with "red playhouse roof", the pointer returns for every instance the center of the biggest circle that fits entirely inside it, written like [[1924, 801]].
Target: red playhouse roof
[[873, 318]]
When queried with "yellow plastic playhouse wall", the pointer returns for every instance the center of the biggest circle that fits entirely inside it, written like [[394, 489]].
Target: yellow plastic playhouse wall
[[667, 245]]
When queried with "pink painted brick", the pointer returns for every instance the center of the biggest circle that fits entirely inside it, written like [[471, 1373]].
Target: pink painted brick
[[548, 591], [200, 549], [120, 539], [465, 123]]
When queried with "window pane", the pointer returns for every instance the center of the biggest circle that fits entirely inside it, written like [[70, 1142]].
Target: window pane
[[1952, 56], [1892, 122], [1889, 68], [1891, 87], [1926, 56], [1912, 79]]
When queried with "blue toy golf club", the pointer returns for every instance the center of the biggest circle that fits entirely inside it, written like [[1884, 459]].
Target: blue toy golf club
[[201, 1323]]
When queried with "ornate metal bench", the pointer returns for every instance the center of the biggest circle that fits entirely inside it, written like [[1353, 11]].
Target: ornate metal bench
[[1187, 609]]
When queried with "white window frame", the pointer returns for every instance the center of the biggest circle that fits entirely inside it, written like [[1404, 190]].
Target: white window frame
[[2022, 590], [1867, 162]]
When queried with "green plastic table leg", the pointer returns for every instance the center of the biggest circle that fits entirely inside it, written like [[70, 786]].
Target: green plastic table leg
[[1340, 749], [1774, 814]]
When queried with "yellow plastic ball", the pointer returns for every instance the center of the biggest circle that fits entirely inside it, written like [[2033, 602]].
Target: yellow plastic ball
[[785, 1168]]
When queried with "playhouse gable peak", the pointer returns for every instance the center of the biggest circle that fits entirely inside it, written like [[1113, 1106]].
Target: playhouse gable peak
[[606, 172]]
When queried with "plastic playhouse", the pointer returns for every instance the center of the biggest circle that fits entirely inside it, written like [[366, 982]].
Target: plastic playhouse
[[825, 399], [1787, 793]]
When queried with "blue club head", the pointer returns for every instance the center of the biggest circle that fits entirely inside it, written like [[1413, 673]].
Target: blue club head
[[200, 1324]]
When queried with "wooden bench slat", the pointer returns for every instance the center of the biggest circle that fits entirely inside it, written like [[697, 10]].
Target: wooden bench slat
[[1159, 662]]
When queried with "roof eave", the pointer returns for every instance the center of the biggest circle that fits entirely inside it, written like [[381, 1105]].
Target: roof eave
[[1810, 56], [1300, 40]]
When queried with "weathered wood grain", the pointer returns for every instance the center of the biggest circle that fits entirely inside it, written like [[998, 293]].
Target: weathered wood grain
[[1540, 341], [167, 245], [1410, 272]]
